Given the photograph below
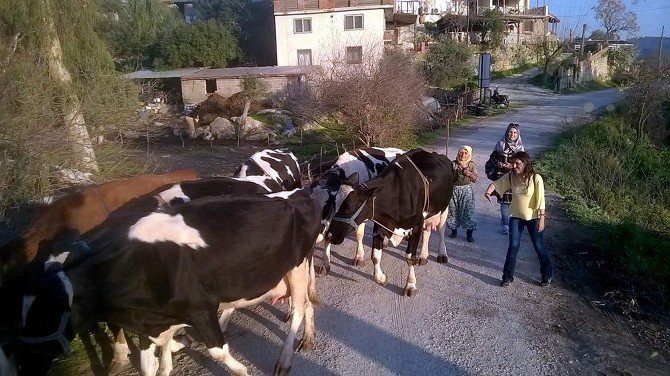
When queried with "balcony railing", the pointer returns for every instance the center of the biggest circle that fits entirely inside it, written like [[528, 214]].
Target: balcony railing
[[295, 5]]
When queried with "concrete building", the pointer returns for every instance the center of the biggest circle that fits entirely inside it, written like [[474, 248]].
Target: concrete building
[[330, 32]]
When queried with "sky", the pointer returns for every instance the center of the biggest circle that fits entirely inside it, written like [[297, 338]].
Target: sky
[[651, 15]]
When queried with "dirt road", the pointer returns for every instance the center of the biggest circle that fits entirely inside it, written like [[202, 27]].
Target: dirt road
[[460, 322]]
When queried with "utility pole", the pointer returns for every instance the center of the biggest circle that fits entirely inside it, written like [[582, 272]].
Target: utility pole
[[581, 49], [660, 47]]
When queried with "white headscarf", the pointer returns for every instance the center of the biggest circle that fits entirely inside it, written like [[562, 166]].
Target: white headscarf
[[507, 147]]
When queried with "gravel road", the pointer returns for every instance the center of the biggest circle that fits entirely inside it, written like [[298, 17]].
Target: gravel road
[[460, 322]]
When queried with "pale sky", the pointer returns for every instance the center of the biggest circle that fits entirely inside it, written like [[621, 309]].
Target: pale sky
[[651, 15]]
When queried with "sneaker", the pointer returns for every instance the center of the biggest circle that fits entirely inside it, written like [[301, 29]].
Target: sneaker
[[505, 283], [545, 282], [453, 233], [505, 230]]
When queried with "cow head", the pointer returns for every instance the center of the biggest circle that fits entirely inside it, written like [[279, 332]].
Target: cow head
[[330, 192], [46, 329], [354, 207]]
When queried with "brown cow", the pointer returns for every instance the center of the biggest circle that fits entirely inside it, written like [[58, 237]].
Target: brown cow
[[81, 211]]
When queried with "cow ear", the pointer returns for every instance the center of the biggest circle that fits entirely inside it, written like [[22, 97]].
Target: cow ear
[[352, 179], [365, 189]]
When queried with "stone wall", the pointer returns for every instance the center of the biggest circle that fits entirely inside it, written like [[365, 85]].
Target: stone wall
[[195, 91], [594, 67], [512, 56]]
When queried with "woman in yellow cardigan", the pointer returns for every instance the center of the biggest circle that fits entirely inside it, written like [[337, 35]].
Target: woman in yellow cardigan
[[526, 210]]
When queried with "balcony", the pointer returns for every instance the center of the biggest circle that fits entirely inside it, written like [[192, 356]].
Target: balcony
[[298, 5]]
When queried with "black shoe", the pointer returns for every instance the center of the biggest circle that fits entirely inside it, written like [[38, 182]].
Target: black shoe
[[453, 233], [545, 282], [469, 234], [505, 283]]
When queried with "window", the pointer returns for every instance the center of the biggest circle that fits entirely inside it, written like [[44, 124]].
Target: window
[[354, 55], [528, 26], [302, 25], [210, 86], [304, 57], [353, 22]]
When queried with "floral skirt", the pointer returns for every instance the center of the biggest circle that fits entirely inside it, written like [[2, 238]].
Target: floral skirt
[[462, 208]]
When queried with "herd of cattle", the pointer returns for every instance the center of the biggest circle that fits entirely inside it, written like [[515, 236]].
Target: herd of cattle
[[152, 254]]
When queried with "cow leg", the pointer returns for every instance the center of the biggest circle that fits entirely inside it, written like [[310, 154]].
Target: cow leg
[[121, 351], [224, 318], [298, 278], [223, 355], [148, 360], [378, 243], [360, 252], [442, 257], [425, 239], [412, 245], [324, 269]]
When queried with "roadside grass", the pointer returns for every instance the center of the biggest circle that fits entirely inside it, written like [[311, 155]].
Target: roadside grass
[[541, 81], [618, 189], [511, 72]]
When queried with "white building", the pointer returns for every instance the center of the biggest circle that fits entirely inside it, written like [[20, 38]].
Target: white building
[[330, 32]]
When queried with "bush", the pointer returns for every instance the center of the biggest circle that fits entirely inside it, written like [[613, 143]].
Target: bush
[[618, 187]]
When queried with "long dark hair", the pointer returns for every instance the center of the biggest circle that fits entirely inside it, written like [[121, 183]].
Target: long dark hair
[[528, 169]]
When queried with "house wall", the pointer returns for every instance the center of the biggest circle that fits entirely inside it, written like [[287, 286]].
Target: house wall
[[328, 39], [195, 91]]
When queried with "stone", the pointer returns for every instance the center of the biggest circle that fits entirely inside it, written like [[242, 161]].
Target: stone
[[223, 128]]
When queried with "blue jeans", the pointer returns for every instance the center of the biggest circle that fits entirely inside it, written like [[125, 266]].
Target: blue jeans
[[516, 226], [504, 214]]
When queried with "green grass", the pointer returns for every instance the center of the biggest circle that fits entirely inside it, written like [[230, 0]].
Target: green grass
[[617, 187], [511, 72], [540, 81], [588, 86]]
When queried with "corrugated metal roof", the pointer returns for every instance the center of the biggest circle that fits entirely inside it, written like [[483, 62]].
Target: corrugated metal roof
[[249, 71], [175, 73]]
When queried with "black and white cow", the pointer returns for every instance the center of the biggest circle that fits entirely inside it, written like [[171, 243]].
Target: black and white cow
[[174, 267], [412, 194], [368, 163], [283, 167], [216, 186]]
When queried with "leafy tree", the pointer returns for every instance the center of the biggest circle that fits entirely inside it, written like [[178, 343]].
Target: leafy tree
[[133, 27], [448, 63], [203, 43], [493, 29], [615, 18], [55, 73], [253, 89], [226, 12]]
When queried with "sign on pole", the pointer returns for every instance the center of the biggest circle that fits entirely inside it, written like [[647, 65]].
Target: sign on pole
[[484, 70]]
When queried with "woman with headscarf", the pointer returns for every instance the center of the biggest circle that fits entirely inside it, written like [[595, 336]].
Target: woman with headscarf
[[527, 210], [462, 205], [508, 145]]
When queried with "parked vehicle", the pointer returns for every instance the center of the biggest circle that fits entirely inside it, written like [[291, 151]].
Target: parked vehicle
[[497, 99]]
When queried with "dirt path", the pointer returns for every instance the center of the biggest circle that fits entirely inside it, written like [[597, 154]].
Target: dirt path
[[461, 322]]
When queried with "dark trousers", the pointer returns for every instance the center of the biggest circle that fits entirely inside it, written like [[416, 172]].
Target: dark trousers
[[516, 226]]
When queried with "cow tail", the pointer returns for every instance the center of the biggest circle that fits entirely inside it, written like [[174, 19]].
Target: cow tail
[[311, 288]]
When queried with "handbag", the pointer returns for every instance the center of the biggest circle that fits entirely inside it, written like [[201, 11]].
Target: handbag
[[490, 169]]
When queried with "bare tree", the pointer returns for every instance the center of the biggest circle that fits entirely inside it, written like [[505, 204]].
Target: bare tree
[[253, 89], [379, 104], [615, 18], [646, 99]]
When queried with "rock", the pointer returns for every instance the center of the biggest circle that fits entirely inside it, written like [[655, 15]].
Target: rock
[[282, 119], [223, 128], [311, 126], [190, 126], [289, 132], [254, 130], [199, 131]]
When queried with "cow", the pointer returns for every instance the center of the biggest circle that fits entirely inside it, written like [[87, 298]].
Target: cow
[[80, 211], [281, 166], [175, 267], [412, 194], [368, 163]]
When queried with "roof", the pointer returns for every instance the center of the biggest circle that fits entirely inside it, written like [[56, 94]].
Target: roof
[[148, 74], [249, 71]]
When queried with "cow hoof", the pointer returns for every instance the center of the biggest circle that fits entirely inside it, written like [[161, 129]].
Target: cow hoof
[[358, 262], [381, 280], [322, 270], [279, 371], [306, 345], [409, 292], [442, 259], [423, 261]]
